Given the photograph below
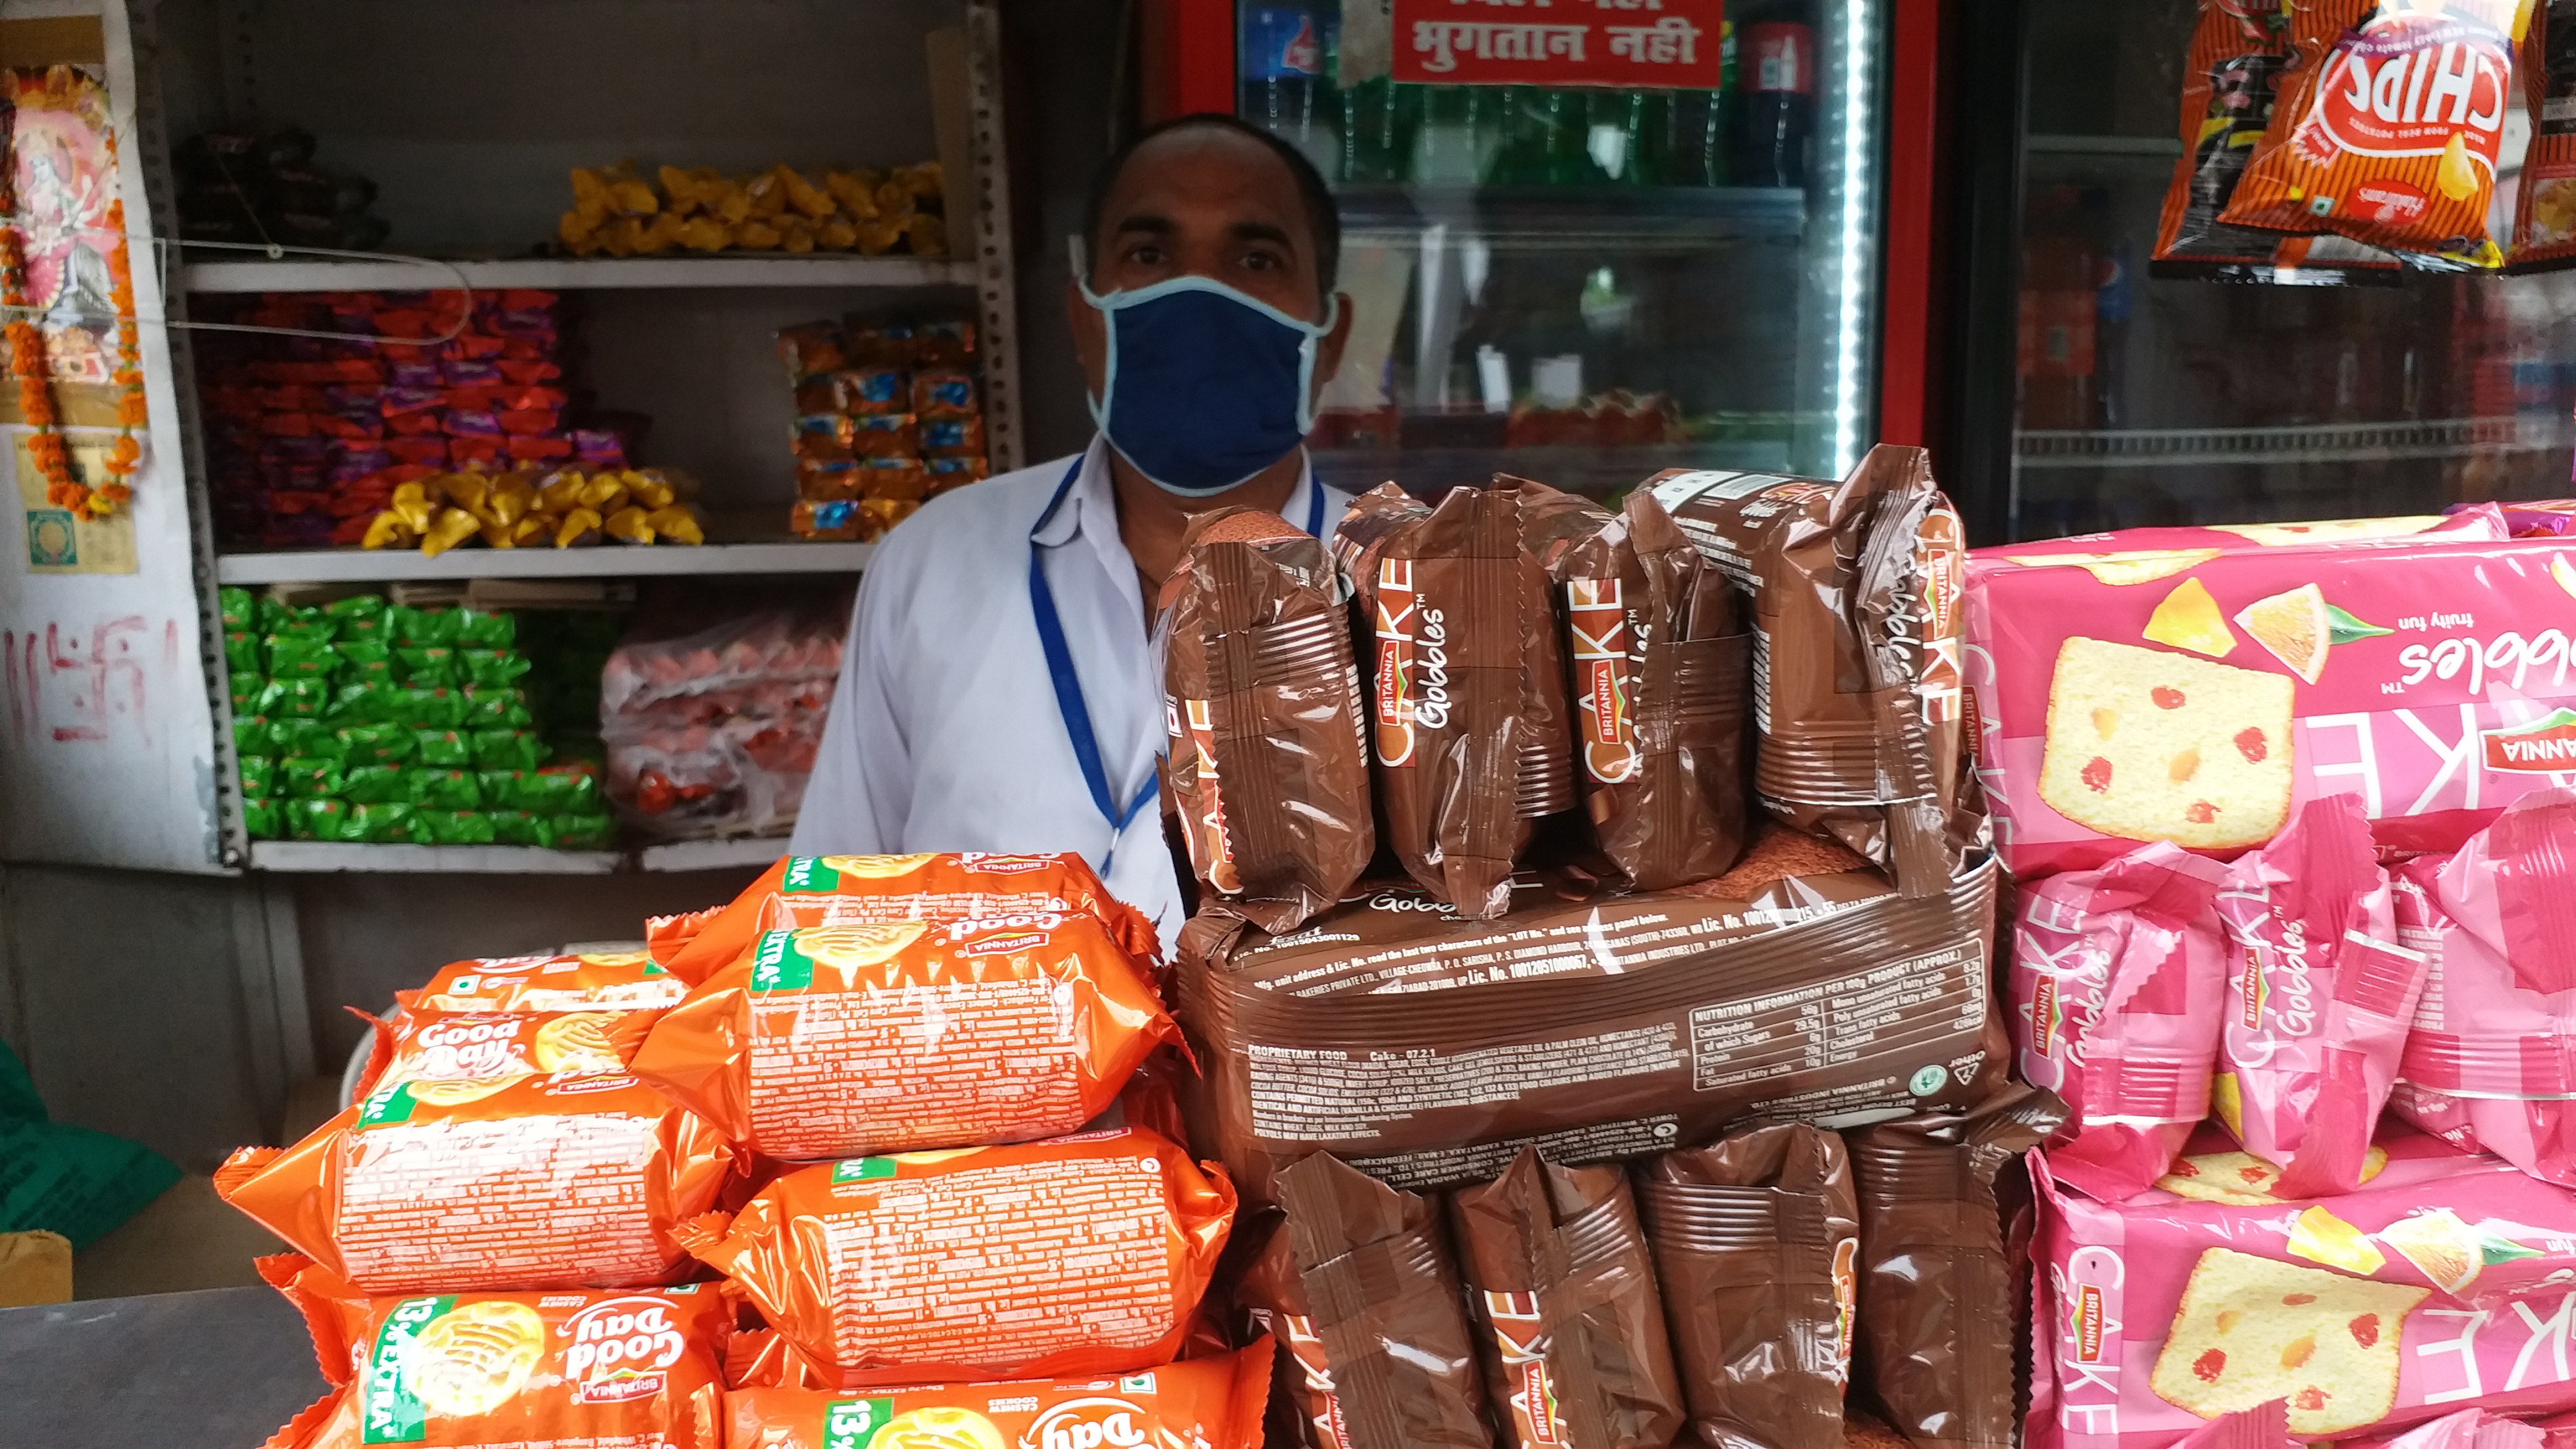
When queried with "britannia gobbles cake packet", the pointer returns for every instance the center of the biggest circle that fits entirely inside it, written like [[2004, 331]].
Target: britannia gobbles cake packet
[[1938, 1275], [1756, 1240], [1088, 1256], [1569, 1324], [2441, 1283], [1662, 684], [1429, 1050], [1268, 769], [2198, 695], [847, 1041], [1440, 595], [868, 890], [2490, 1059], [2319, 991], [501, 1370], [1213, 1403], [2119, 977], [1855, 605], [2152, 551], [1387, 1315], [493, 1184], [2390, 126]]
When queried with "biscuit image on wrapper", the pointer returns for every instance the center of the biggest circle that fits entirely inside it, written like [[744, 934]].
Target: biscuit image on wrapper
[[474, 1358], [2150, 745], [2250, 1330]]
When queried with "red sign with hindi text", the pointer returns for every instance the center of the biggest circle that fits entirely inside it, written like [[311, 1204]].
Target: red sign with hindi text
[[1635, 44]]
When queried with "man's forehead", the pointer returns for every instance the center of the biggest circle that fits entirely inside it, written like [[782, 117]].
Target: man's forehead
[[1200, 170]]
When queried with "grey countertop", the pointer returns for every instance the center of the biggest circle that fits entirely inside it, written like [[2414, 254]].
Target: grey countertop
[[221, 1369]]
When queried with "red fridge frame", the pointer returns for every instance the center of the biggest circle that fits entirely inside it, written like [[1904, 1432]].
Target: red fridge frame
[[1189, 66]]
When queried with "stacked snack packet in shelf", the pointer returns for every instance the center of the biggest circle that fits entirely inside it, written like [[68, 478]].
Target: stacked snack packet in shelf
[[2289, 807], [363, 721], [887, 414], [508, 1238]]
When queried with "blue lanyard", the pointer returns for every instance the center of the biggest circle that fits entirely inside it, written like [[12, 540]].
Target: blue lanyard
[[1069, 703]]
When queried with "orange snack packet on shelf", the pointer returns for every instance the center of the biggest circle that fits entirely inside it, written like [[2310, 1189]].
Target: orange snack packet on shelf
[[2390, 126], [866, 890], [506, 1370], [844, 1041], [498, 1184], [432, 1045], [621, 979], [1081, 1255], [1213, 1403]]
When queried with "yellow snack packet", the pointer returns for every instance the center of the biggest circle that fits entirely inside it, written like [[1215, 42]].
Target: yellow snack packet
[[705, 234], [580, 526], [757, 236], [628, 524], [387, 530], [451, 528], [680, 525]]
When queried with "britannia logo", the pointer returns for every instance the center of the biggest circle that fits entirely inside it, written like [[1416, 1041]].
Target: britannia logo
[[2543, 747]]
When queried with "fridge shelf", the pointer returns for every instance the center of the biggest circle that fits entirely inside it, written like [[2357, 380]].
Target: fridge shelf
[[1576, 216], [576, 273], [2321, 443], [2161, 148]]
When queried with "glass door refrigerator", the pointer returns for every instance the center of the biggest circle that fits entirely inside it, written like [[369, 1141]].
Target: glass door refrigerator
[[2098, 387], [1593, 239]]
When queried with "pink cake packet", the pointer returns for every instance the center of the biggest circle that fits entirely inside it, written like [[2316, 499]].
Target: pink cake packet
[[2467, 1429], [2466, 523], [2319, 996], [2490, 1064], [2118, 982], [2265, 1426], [2427, 1290]]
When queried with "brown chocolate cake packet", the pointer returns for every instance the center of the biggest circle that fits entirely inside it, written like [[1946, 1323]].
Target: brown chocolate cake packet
[[1661, 681], [1756, 1240], [1550, 520], [1384, 1302], [1937, 1279], [1273, 1297], [1268, 768], [1570, 1326], [1855, 601], [1440, 594]]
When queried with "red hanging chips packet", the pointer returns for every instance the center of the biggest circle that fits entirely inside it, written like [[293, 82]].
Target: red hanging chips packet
[[2231, 78], [2390, 129]]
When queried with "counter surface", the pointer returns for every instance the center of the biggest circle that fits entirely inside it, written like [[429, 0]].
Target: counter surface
[[221, 1369]]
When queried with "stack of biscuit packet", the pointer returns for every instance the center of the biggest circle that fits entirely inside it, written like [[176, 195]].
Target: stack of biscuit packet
[[711, 1194]]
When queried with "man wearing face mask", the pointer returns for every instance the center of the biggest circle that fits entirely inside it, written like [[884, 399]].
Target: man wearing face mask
[[1000, 691]]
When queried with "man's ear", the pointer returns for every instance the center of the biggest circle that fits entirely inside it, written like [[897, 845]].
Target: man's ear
[[1328, 350], [1090, 337]]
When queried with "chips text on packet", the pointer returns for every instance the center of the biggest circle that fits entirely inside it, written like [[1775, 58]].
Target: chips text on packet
[[1211, 1403], [844, 1041], [1089, 1255], [499, 1370], [2390, 127], [454, 1187], [860, 890]]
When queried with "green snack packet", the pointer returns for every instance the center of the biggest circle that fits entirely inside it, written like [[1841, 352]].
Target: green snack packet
[[260, 819], [377, 744], [420, 628], [490, 708], [453, 827], [486, 631], [302, 737], [241, 654], [309, 625], [357, 704], [290, 658], [444, 749], [305, 776], [430, 666], [586, 831], [316, 819], [512, 827], [540, 792], [382, 824], [295, 699], [360, 616], [366, 661], [431, 709], [68, 1180], [250, 732], [446, 789], [258, 775], [246, 697], [376, 784], [493, 668], [507, 750], [239, 609]]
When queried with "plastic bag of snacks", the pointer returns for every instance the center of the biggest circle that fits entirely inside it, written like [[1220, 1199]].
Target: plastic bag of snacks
[[457, 1187], [489, 1370], [713, 730], [1090, 1254], [843, 1041], [1212, 1403], [863, 890]]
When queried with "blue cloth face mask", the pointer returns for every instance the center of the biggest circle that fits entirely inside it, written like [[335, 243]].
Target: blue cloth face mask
[[1206, 386]]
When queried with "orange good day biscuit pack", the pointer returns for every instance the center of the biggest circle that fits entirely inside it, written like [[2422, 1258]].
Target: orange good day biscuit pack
[[491, 1185], [842, 1041], [2390, 127], [427, 1044], [1078, 1255], [614, 980], [1211, 1403], [864, 890], [613, 1367]]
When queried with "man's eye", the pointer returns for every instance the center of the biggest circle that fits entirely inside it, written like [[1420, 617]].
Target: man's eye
[[1145, 256], [1263, 261]]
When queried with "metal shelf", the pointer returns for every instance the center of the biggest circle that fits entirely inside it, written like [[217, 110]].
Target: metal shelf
[[2321, 443], [2163, 148], [1583, 217], [755, 850], [602, 561], [316, 857], [751, 269]]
